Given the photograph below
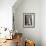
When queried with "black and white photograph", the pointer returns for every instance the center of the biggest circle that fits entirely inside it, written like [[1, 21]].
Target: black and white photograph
[[29, 19]]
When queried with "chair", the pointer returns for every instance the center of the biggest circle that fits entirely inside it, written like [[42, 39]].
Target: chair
[[29, 43], [18, 37]]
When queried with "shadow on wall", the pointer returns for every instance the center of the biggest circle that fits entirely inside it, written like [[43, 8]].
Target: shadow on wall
[[25, 7]]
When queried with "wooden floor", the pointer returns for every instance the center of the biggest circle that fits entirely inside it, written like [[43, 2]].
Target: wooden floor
[[9, 43]]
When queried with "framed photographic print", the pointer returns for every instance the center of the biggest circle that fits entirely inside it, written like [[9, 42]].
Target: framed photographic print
[[29, 20]]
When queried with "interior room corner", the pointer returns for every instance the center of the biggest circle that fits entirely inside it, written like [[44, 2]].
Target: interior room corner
[[22, 22]]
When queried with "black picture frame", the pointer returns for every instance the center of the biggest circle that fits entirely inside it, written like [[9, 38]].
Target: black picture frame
[[29, 20]]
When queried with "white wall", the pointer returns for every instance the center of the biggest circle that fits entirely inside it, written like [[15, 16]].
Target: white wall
[[28, 6], [43, 22], [6, 13]]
